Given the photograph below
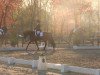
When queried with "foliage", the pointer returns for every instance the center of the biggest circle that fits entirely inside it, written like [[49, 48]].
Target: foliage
[[7, 8], [13, 37], [83, 34], [27, 18]]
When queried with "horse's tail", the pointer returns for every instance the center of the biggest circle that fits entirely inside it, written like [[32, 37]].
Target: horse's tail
[[53, 43]]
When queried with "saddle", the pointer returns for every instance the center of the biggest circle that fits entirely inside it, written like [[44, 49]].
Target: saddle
[[38, 34]]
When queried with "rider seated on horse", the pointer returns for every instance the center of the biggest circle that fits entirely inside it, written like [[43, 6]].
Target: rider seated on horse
[[3, 30], [37, 29]]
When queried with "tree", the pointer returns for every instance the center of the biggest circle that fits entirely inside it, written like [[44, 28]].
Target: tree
[[7, 9], [28, 15]]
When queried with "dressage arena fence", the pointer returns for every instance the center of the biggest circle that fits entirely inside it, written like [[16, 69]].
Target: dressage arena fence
[[86, 47], [62, 67]]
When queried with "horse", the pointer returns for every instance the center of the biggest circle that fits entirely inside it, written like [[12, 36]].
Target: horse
[[47, 37]]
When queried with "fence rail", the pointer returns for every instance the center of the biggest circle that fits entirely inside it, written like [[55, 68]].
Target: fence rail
[[86, 47], [62, 67]]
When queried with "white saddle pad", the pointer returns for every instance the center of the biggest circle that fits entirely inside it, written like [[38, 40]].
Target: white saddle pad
[[41, 33]]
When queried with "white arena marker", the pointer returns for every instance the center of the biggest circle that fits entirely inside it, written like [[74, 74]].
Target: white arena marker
[[34, 64], [11, 61], [42, 65]]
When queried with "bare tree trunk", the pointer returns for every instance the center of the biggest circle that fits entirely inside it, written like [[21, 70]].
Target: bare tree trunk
[[1, 21], [98, 15]]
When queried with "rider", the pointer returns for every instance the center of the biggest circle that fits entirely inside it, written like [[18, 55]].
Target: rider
[[1, 31], [4, 28], [38, 29]]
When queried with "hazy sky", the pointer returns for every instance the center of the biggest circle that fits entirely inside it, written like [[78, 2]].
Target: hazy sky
[[94, 2]]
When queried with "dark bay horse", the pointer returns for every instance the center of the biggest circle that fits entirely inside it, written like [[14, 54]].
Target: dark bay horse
[[47, 37]]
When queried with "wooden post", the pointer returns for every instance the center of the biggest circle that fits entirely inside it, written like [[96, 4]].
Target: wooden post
[[11, 61], [42, 65]]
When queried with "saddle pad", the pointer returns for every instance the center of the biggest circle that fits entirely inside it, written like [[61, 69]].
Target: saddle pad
[[41, 33]]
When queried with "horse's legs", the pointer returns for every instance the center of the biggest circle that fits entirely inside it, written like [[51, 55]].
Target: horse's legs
[[2, 40], [45, 45], [5, 42], [37, 45], [28, 45], [17, 43], [22, 40]]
